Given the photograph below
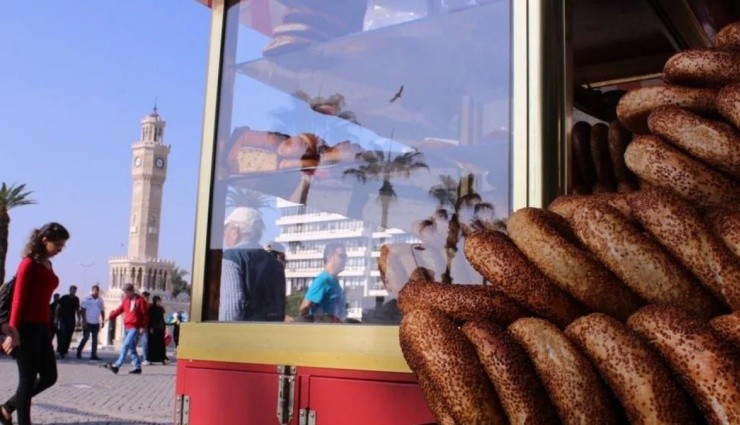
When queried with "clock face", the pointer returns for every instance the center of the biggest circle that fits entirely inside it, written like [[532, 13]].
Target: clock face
[[159, 162], [137, 161]]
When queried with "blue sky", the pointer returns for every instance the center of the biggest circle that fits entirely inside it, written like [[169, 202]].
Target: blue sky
[[75, 82]]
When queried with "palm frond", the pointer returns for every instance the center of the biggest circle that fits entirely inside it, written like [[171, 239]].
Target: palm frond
[[14, 196], [356, 173], [446, 192], [238, 197]]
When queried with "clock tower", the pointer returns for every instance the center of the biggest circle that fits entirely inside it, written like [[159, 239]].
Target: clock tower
[[148, 170], [142, 266]]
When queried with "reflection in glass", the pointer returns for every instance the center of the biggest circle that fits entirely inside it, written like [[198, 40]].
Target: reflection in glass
[[387, 127], [461, 210], [376, 165]]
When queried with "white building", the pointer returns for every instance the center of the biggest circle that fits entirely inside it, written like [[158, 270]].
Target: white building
[[304, 231]]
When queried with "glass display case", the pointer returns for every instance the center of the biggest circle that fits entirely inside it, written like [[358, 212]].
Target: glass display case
[[376, 130]]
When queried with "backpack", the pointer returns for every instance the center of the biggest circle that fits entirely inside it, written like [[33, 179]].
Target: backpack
[[6, 300]]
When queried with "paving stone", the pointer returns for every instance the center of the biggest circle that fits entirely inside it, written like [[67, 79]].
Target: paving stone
[[87, 393]]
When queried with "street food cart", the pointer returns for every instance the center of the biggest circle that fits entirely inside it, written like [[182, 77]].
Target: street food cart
[[368, 122]]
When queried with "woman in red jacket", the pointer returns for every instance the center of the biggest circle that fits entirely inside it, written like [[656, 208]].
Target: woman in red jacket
[[35, 282]]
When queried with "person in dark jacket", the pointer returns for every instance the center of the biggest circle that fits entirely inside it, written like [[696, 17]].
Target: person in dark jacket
[[252, 279], [68, 315], [35, 282], [155, 349]]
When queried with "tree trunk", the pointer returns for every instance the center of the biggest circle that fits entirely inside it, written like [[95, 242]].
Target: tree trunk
[[385, 205], [453, 237], [4, 225], [386, 194]]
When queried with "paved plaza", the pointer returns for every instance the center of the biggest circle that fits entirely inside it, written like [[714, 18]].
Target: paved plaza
[[86, 393]]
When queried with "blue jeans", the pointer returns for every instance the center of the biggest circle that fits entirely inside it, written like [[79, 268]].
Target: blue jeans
[[144, 339], [129, 344]]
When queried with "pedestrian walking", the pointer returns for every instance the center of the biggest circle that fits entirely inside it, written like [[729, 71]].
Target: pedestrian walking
[[9, 338], [92, 310], [35, 282], [325, 299], [68, 313], [134, 313], [156, 328], [53, 316], [252, 280], [176, 320], [144, 338]]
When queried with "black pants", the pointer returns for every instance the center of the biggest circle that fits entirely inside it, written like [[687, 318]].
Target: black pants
[[156, 351], [37, 369], [87, 330], [64, 337]]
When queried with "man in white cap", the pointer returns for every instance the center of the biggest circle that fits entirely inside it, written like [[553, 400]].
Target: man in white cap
[[252, 280]]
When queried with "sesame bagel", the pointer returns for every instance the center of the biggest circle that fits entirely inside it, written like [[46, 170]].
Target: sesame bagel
[[728, 328], [707, 368], [495, 257], [728, 104], [714, 142], [729, 37], [680, 229], [724, 222], [566, 205], [579, 395], [635, 106], [619, 138], [434, 400], [520, 391], [703, 68], [460, 302], [605, 182], [436, 349], [660, 164], [634, 372], [640, 261], [547, 241], [581, 149]]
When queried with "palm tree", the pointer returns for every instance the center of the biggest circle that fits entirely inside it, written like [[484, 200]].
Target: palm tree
[[179, 284], [376, 165], [10, 197], [465, 206], [238, 197], [446, 192]]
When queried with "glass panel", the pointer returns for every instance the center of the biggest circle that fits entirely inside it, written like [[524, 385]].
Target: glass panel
[[363, 123]]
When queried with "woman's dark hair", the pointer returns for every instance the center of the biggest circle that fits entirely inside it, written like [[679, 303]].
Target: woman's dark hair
[[53, 232], [156, 298]]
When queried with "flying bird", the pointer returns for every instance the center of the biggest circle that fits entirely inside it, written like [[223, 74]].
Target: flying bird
[[397, 95]]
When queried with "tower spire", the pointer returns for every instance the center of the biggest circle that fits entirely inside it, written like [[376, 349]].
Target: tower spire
[[155, 104]]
